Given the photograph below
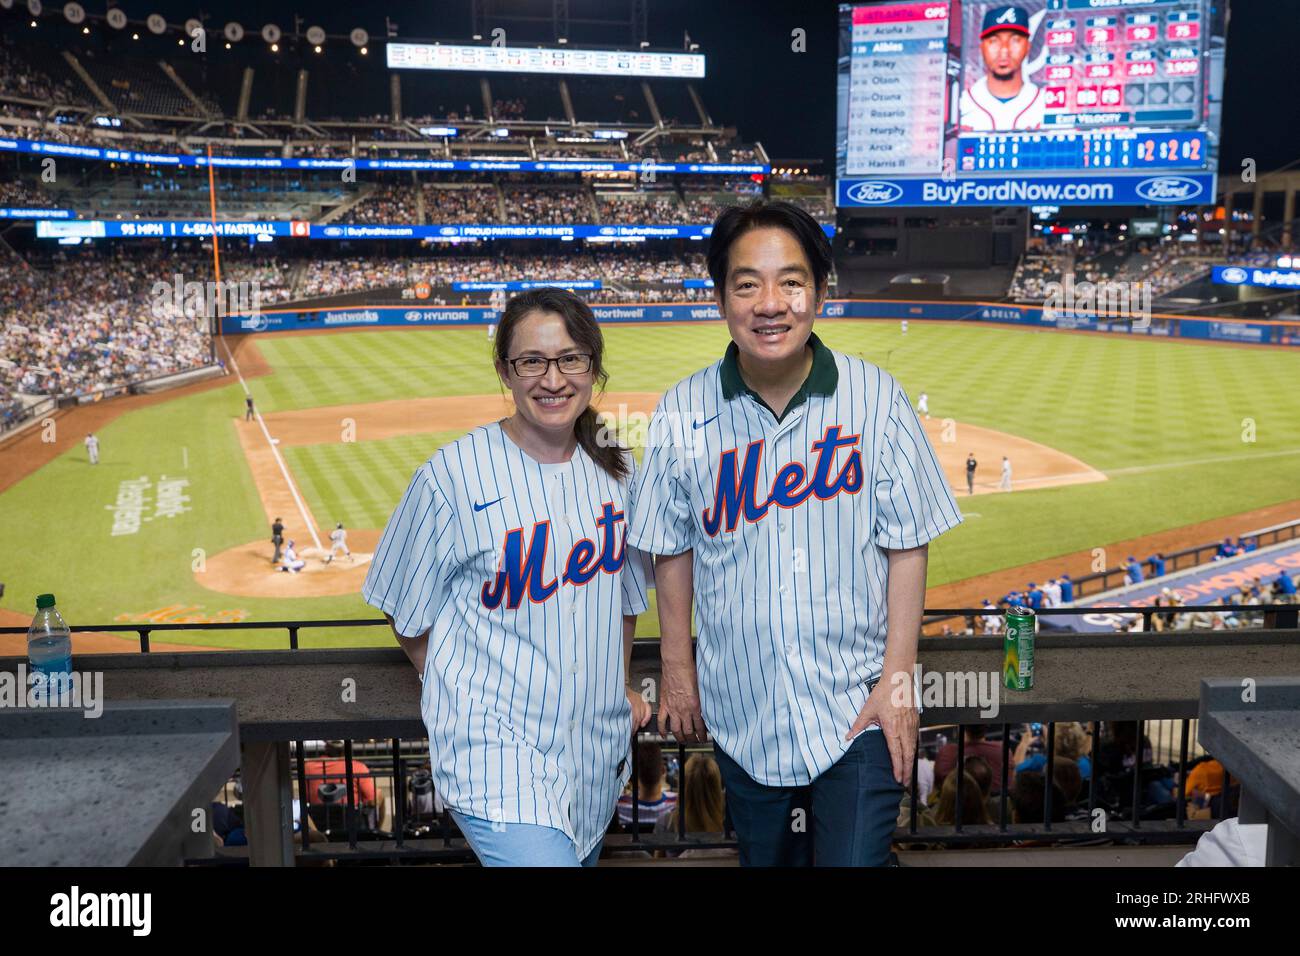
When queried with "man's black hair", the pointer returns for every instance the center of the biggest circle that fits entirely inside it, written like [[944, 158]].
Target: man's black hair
[[735, 221]]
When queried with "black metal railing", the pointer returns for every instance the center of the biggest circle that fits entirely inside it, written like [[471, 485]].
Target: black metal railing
[[341, 828], [1272, 615], [419, 834]]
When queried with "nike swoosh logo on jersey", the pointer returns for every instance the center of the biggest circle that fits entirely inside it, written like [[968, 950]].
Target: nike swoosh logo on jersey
[[699, 425], [480, 507]]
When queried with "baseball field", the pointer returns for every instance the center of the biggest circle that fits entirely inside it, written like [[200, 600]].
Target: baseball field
[[1111, 439]]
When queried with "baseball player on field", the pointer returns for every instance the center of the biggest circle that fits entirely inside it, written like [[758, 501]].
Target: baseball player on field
[[291, 561], [92, 448], [923, 405], [506, 576], [1003, 99], [800, 529], [338, 541]]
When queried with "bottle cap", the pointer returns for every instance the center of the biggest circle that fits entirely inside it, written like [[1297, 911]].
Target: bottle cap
[[44, 601]]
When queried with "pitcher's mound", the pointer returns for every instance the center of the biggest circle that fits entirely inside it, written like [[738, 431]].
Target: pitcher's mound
[[246, 570]]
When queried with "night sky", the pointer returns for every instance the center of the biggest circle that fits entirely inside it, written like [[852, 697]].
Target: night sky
[[786, 99]]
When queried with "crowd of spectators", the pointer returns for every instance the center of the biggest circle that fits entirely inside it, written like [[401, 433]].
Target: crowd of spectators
[[470, 204], [385, 205], [86, 323], [1120, 752], [20, 78], [1035, 272], [737, 154], [643, 209], [707, 206], [654, 293], [601, 152], [531, 205], [1172, 613], [326, 277]]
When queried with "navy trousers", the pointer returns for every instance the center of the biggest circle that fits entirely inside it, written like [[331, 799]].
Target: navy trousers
[[848, 813]]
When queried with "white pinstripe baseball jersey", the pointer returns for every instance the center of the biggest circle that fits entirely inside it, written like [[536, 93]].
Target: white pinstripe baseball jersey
[[788, 521], [520, 572], [982, 111]]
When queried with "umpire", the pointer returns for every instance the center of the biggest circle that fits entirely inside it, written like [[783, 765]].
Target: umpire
[[277, 539]]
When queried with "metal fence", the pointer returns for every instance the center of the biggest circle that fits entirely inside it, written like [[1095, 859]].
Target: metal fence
[[1138, 804]]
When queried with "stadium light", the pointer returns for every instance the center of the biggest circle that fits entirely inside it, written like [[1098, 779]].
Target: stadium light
[[317, 49], [85, 29], [227, 46], [644, 44], [364, 51], [275, 48], [33, 23], [134, 36]]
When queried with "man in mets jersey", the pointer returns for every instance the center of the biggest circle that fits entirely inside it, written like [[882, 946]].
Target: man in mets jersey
[[791, 491]]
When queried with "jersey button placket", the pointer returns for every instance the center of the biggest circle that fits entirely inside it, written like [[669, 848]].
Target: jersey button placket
[[786, 448]]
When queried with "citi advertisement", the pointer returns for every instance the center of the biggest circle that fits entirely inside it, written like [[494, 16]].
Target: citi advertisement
[[1027, 190]]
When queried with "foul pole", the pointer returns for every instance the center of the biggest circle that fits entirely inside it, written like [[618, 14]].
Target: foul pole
[[214, 327]]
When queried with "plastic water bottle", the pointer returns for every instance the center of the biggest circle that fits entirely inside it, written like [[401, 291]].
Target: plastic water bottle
[[49, 649]]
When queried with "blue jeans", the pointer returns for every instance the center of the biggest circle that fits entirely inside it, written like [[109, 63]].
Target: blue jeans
[[848, 817], [520, 844]]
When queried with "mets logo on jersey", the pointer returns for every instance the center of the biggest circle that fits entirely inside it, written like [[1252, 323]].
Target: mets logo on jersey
[[522, 569], [736, 493]]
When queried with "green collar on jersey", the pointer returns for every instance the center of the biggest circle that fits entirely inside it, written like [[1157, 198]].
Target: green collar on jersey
[[822, 378]]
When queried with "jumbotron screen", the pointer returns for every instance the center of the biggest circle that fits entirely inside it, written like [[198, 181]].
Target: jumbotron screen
[[1067, 102]]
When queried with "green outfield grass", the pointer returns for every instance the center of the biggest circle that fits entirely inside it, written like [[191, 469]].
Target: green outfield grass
[[1164, 420]]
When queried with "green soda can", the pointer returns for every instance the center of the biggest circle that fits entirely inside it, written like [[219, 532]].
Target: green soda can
[[1018, 649]]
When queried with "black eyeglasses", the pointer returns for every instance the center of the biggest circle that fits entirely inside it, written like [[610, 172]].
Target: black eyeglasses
[[535, 366]]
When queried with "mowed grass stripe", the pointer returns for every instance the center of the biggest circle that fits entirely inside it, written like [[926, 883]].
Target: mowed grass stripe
[[364, 480]]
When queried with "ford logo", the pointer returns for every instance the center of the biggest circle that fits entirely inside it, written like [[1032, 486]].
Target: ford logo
[[874, 193], [333, 231], [607, 230], [447, 231], [1235, 275], [1168, 189]]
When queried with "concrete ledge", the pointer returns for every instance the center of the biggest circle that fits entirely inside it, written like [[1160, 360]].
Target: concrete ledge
[[290, 695], [1258, 740], [118, 790]]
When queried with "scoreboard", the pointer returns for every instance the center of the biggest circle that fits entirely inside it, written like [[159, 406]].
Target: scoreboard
[[1039, 101]]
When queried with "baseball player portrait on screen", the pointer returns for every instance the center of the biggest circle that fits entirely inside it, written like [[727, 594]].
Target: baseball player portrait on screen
[[797, 515], [506, 576], [1003, 99]]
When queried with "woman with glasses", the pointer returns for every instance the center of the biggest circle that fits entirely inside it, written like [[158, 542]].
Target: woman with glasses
[[505, 577]]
